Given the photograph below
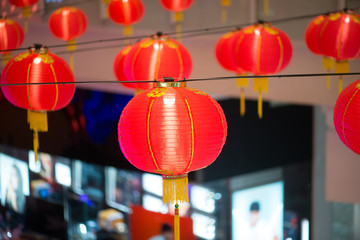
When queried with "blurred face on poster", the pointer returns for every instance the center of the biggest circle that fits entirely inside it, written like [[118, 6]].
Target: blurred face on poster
[[15, 198]]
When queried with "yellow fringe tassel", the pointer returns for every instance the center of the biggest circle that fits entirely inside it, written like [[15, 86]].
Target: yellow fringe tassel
[[176, 223], [26, 12], [341, 67], [128, 30], [178, 18], [242, 101], [175, 189], [266, 7], [71, 47], [328, 65], [5, 58], [38, 123], [260, 86], [328, 80]]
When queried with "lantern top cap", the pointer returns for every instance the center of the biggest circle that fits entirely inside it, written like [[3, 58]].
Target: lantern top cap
[[160, 36], [169, 82], [39, 48]]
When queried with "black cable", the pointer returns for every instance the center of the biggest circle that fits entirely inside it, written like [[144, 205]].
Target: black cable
[[189, 80]]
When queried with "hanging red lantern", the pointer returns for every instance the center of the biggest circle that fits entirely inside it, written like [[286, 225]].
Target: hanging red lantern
[[155, 58], [347, 115], [312, 38], [119, 66], [25, 5], [262, 49], [177, 7], [11, 37], [171, 130], [68, 23], [339, 39], [126, 12], [37, 66], [225, 55]]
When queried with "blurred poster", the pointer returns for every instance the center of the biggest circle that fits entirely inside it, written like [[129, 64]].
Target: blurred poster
[[257, 212], [14, 183]]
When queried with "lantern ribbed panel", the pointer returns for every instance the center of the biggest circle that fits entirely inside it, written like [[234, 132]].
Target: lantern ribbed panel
[[119, 66], [262, 49], [27, 68], [126, 12], [225, 53], [347, 116], [11, 35], [68, 23], [176, 5], [312, 34], [23, 3], [340, 36], [173, 133], [156, 58]]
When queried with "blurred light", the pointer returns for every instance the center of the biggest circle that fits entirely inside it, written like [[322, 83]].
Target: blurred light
[[152, 183], [168, 100], [9, 234], [82, 228], [347, 19], [37, 60], [257, 32], [217, 196], [154, 204], [202, 198], [203, 226], [288, 239], [305, 229]]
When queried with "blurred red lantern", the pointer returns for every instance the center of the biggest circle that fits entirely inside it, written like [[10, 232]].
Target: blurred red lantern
[[262, 49], [25, 5], [177, 6], [155, 58], [171, 130], [339, 39], [119, 66], [225, 55], [11, 37], [37, 66], [126, 12], [347, 116], [312, 39], [68, 23]]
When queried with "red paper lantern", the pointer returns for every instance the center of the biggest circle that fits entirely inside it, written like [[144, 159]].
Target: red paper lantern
[[119, 66], [225, 55], [11, 37], [171, 130], [262, 49], [126, 12], [347, 116], [155, 58], [339, 39], [37, 65]]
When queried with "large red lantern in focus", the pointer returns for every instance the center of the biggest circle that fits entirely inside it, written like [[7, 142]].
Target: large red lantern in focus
[[68, 23], [126, 13], [347, 116], [155, 58], [37, 66], [171, 130], [25, 5], [262, 49], [225, 55], [339, 39], [11, 37], [312, 38], [177, 7]]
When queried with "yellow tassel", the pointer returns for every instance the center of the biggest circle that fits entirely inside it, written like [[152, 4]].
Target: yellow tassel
[[328, 80], [178, 18], [266, 7], [242, 101], [106, 3], [175, 189], [128, 30], [261, 86], [224, 5], [328, 63], [71, 47], [26, 12], [176, 223], [38, 122], [341, 67], [5, 58]]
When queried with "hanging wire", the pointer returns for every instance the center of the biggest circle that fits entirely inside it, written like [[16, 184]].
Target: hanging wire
[[191, 33], [187, 80]]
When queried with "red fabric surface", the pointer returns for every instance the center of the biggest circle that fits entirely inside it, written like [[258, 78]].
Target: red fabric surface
[[11, 34], [38, 68], [347, 116], [126, 12], [340, 36], [312, 34], [119, 66], [163, 134], [262, 49], [145, 224], [225, 53], [155, 58], [176, 5], [23, 3], [68, 23]]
